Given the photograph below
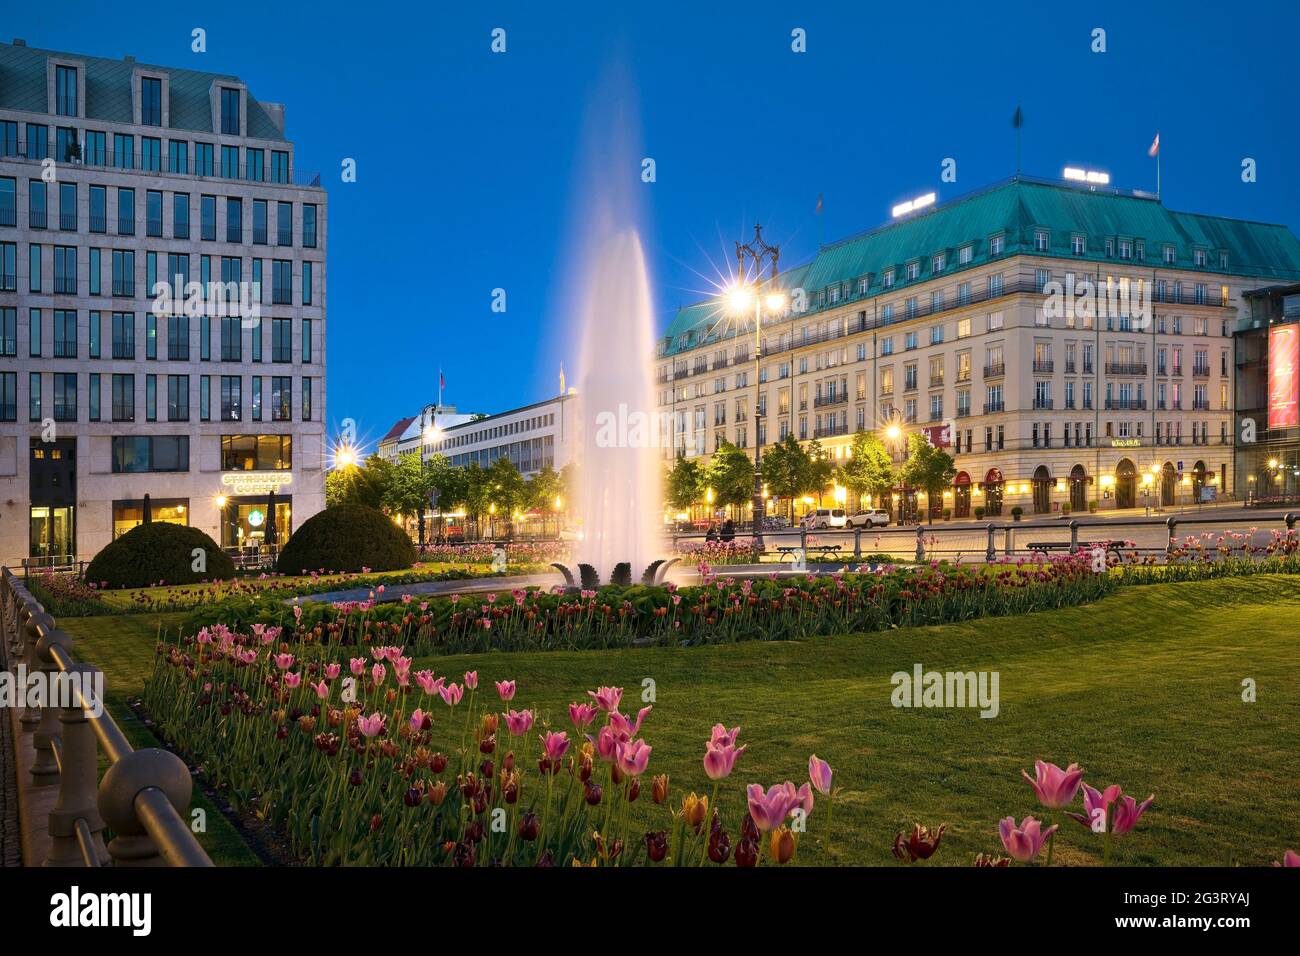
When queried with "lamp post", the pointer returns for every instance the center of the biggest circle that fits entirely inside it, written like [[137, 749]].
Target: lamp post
[[757, 250]]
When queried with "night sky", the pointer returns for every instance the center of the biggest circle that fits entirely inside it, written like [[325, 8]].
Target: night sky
[[469, 165]]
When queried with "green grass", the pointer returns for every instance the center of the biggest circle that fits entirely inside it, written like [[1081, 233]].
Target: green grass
[[1142, 689]]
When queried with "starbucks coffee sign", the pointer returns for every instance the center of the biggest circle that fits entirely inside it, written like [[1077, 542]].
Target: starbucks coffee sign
[[254, 482]]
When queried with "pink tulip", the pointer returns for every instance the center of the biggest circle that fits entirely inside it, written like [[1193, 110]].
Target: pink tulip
[[452, 694], [1055, 787], [606, 744], [770, 809], [555, 745], [332, 671], [606, 698], [284, 661], [297, 613], [1127, 812], [420, 720], [292, 680], [624, 727], [357, 665], [1096, 806], [802, 799], [377, 674], [322, 690], [819, 773], [471, 680], [720, 761], [1290, 858], [1024, 842], [722, 737], [506, 688], [582, 714], [633, 757], [518, 722], [371, 726]]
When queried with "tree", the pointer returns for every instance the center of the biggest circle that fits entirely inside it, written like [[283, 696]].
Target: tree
[[731, 475], [543, 490], [928, 468], [869, 469], [364, 484], [818, 472], [685, 484], [473, 493], [783, 470], [506, 488]]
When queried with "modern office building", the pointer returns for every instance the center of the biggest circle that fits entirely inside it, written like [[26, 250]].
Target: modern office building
[[1066, 343], [1268, 395], [119, 181], [533, 437]]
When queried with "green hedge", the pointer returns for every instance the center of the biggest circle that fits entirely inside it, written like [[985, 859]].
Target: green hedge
[[158, 553], [347, 537]]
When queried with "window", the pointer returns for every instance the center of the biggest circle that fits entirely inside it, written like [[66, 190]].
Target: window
[[259, 222], [37, 205], [125, 212], [231, 410], [1199, 257], [230, 162], [284, 224], [281, 340], [231, 340], [281, 282], [203, 159], [8, 201], [230, 119], [1078, 245], [34, 396], [256, 452], [178, 156], [936, 262], [1040, 240], [306, 342], [208, 218], [38, 141], [254, 165], [123, 398], [913, 270], [8, 266], [8, 330], [124, 335], [123, 151], [34, 268], [98, 209], [65, 333], [996, 245], [307, 269], [306, 399], [65, 91], [279, 166], [1125, 249], [96, 151], [150, 153], [8, 396], [142, 453], [309, 227], [178, 338], [1169, 255], [123, 272], [281, 398], [68, 207], [965, 254], [34, 322], [234, 219], [153, 213], [150, 101]]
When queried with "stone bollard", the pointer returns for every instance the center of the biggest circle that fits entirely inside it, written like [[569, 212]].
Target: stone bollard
[[1074, 535], [991, 552], [1172, 524], [78, 780], [125, 781]]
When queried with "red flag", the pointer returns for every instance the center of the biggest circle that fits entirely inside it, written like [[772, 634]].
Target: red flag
[[1155, 146], [442, 382]]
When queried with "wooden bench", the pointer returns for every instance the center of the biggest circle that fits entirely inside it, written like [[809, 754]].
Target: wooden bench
[[1042, 547], [822, 549]]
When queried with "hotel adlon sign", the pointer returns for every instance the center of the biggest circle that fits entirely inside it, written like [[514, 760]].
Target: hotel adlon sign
[[254, 482]]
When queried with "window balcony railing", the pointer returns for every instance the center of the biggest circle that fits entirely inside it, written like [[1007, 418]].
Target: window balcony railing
[[936, 381], [991, 408], [37, 218], [1126, 368], [963, 411], [68, 221], [65, 286], [830, 431], [1042, 404], [98, 224], [1201, 371], [1126, 404], [8, 216], [994, 371], [1044, 367], [1199, 405], [835, 398]]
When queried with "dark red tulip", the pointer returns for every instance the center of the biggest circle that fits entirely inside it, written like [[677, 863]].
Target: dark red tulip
[[656, 845], [747, 853], [592, 793], [529, 827], [920, 844]]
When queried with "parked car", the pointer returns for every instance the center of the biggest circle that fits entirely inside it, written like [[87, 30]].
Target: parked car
[[873, 518], [823, 518]]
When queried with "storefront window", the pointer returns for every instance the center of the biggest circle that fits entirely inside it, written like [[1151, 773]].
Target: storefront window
[[128, 514], [246, 524], [256, 452]]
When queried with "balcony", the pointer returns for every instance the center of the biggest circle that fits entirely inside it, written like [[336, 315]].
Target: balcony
[[991, 408], [1199, 405], [963, 375], [1201, 371], [834, 398], [936, 381], [37, 219], [1044, 367], [995, 371], [8, 216], [65, 286], [1126, 368], [68, 220], [1069, 368], [1043, 404], [963, 411], [830, 431], [1126, 404]]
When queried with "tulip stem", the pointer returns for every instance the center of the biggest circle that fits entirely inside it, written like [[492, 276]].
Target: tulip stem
[[1051, 842], [830, 819]]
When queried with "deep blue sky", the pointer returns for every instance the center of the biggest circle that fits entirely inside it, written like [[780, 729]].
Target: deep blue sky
[[467, 160]]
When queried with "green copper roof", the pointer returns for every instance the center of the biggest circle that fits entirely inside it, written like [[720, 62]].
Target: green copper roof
[[1018, 209], [108, 90]]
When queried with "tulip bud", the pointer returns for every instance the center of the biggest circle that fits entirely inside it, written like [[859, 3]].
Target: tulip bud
[[633, 789], [486, 768], [487, 744], [529, 827], [438, 793], [354, 778], [782, 845], [413, 797], [656, 845], [592, 793], [747, 853], [508, 761], [695, 809], [659, 788], [438, 763]]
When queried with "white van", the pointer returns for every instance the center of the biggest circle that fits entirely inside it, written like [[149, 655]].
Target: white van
[[824, 518]]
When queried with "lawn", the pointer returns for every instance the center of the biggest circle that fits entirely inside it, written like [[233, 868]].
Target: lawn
[[1143, 689]]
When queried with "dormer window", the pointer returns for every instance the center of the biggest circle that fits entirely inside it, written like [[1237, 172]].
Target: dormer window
[[1141, 250], [1110, 248], [65, 91], [151, 101], [1223, 260], [1169, 255], [1078, 245], [913, 270], [1125, 249], [995, 245], [230, 125], [1199, 257], [862, 285], [964, 254], [889, 279], [1040, 240], [937, 263]]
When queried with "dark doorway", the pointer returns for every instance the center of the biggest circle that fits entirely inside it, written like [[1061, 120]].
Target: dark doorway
[[1078, 489], [1125, 484]]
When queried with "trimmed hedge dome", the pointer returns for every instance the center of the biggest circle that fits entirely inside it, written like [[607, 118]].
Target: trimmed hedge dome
[[158, 552], [347, 537]]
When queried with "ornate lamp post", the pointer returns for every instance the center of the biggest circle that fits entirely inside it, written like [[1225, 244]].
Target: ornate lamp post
[[758, 250]]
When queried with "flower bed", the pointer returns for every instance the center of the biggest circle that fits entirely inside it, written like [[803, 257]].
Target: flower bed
[[721, 610], [527, 552]]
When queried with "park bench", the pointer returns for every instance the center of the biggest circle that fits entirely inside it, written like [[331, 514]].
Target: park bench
[[1042, 547], [825, 550]]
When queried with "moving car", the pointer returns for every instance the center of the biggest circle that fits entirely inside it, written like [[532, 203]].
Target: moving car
[[872, 518], [823, 518]]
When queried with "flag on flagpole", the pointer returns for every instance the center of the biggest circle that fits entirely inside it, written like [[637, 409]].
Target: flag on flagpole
[[1018, 120], [1155, 146], [561, 378], [442, 382]]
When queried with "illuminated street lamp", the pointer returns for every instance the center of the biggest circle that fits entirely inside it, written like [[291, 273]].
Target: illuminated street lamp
[[740, 298]]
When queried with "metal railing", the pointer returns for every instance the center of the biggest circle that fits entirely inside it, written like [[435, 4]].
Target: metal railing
[[144, 794]]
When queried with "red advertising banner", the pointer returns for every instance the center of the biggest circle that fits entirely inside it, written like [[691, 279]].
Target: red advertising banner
[[940, 436], [1283, 376]]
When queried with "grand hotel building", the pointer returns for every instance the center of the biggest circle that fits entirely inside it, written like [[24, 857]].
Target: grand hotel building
[[944, 322], [115, 175]]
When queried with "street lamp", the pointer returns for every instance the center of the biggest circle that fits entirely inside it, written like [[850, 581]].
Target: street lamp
[[739, 298]]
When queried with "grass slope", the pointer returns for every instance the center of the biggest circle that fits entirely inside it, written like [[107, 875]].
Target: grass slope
[[1142, 689]]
